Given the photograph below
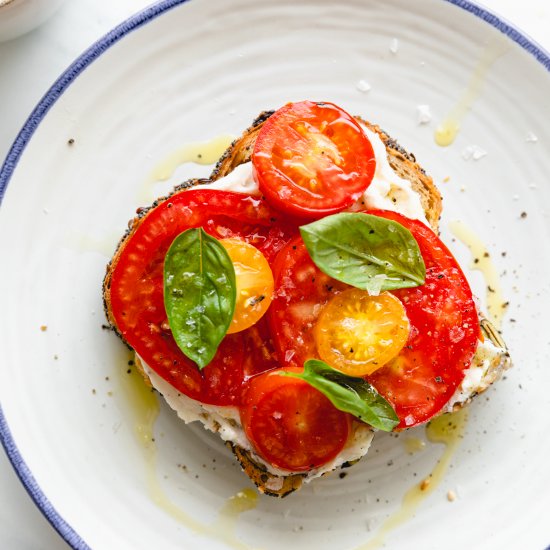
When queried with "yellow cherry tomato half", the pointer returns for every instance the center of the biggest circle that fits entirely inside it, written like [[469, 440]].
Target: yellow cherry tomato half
[[254, 283], [357, 333]]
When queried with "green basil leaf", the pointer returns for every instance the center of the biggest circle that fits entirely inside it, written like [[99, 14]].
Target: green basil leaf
[[199, 293], [365, 251], [349, 394]]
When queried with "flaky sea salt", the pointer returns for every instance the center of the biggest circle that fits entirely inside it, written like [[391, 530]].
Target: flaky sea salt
[[423, 114], [363, 86], [473, 152]]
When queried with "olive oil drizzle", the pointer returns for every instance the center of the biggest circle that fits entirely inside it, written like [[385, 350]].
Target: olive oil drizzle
[[198, 152], [144, 409], [447, 429], [447, 131], [80, 242], [414, 445], [481, 261]]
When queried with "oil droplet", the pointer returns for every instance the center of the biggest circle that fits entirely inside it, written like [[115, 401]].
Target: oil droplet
[[414, 444], [142, 407], [198, 152], [80, 242], [448, 129], [224, 527], [481, 261], [447, 429]]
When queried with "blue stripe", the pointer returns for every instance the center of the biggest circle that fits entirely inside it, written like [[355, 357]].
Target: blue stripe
[[51, 96], [527, 43]]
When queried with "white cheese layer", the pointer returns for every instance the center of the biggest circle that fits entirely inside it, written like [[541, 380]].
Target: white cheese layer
[[226, 422], [488, 357], [387, 191]]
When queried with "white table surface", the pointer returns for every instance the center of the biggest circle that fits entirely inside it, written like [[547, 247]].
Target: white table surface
[[28, 66]]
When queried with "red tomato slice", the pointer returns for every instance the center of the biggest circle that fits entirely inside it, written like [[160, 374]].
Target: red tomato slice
[[301, 291], [312, 159], [443, 318], [443, 338], [136, 289], [291, 424]]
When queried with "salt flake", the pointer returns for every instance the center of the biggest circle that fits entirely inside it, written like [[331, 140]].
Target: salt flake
[[473, 152], [423, 114], [363, 86]]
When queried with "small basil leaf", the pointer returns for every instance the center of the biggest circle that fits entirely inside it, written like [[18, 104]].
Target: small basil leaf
[[199, 293], [365, 251], [349, 394]]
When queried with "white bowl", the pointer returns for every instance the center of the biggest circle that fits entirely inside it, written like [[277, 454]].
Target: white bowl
[[20, 16]]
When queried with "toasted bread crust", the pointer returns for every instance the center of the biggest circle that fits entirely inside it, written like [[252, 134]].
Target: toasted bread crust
[[266, 482], [240, 151]]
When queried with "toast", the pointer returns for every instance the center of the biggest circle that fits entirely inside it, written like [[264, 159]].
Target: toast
[[406, 166]]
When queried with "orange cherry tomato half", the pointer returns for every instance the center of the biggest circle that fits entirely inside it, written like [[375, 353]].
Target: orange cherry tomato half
[[357, 333], [312, 159], [254, 283], [291, 424]]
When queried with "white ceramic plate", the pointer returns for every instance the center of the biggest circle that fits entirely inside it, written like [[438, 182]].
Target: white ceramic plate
[[187, 71]]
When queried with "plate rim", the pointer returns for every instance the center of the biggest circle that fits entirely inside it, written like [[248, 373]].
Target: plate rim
[[66, 531]]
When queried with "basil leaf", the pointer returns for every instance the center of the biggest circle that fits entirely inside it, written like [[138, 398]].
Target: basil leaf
[[365, 251], [349, 394], [199, 293]]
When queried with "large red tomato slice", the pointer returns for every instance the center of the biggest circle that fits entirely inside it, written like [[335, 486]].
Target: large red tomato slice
[[312, 159], [291, 424], [136, 290], [442, 315]]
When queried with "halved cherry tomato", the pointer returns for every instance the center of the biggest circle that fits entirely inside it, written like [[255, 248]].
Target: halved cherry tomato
[[291, 424], [136, 289], [312, 159], [254, 283], [444, 326], [357, 333]]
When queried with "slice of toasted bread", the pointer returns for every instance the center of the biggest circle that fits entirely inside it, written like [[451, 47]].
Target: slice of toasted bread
[[405, 165]]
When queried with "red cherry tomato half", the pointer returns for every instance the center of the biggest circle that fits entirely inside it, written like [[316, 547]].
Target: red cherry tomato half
[[312, 159], [136, 290], [291, 424], [442, 315]]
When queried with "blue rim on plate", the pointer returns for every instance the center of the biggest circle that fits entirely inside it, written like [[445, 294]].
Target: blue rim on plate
[[40, 111]]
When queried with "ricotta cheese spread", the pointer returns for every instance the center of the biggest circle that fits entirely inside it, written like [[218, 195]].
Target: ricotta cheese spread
[[476, 379]]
